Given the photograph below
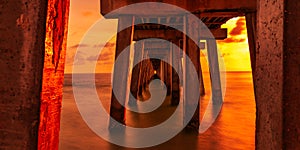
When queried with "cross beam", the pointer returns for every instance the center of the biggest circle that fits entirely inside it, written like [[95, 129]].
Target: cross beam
[[218, 34], [194, 6]]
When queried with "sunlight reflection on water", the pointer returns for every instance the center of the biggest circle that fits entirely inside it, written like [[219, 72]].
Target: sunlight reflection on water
[[234, 129]]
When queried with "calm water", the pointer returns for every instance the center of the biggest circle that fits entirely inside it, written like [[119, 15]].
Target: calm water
[[234, 128]]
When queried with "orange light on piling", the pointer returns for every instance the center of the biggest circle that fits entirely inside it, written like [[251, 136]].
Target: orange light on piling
[[155, 72]]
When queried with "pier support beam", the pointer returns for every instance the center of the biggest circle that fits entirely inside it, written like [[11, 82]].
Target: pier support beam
[[202, 87], [176, 61], [161, 72], [251, 31], [214, 69], [170, 69], [146, 75], [138, 55], [141, 77], [124, 39], [192, 52], [277, 77], [22, 44], [32, 72], [167, 77], [139, 93], [53, 74]]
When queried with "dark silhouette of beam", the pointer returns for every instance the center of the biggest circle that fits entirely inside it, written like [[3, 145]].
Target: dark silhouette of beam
[[173, 35]]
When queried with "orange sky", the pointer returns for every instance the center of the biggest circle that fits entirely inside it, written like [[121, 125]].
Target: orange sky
[[84, 14]]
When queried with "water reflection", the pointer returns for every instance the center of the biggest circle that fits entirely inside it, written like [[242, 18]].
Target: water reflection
[[234, 129]]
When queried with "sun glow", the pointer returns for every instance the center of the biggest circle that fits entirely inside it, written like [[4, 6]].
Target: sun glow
[[234, 49]]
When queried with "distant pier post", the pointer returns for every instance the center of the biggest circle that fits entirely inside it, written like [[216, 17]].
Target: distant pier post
[[202, 87], [134, 86], [176, 61]]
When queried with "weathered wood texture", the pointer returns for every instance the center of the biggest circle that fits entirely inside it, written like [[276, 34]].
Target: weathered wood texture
[[291, 80], [269, 74], [53, 74], [22, 42]]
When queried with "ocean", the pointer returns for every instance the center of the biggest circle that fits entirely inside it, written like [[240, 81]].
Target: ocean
[[233, 129]]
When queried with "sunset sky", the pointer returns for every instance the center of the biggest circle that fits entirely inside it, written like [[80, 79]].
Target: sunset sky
[[84, 14]]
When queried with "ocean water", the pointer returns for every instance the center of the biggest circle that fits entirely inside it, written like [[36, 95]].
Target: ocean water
[[233, 129]]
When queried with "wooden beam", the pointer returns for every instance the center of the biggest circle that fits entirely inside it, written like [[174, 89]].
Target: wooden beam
[[170, 68], [162, 34], [214, 69], [202, 88], [251, 30], [218, 34], [22, 46], [158, 53], [108, 6], [53, 74], [176, 61], [138, 55], [220, 14], [193, 52], [222, 6], [120, 77], [159, 44]]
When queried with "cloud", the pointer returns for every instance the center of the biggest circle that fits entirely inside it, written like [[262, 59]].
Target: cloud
[[102, 58], [107, 54], [78, 45], [106, 57], [107, 45], [239, 28], [80, 59], [232, 40], [237, 33]]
